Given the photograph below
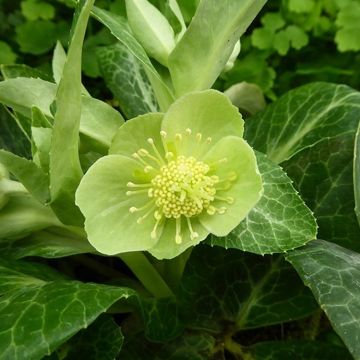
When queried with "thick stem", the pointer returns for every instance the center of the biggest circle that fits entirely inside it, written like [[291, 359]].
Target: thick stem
[[142, 268]]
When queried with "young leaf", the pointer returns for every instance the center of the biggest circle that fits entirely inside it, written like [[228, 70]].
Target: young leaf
[[151, 29], [332, 273], [203, 51], [28, 173], [280, 221], [126, 78]]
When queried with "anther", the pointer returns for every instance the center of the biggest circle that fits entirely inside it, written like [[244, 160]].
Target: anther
[[178, 137], [148, 168], [169, 155], [208, 140], [143, 152], [198, 137], [188, 131], [133, 209], [163, 134]]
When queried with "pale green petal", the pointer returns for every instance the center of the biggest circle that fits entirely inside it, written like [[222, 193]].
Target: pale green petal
[[209, 113], [102, 198], [246, 190], [166, 247], [133, 135]]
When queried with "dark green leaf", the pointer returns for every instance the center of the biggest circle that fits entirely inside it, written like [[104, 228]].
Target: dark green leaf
[[20, 70], [12, 137], [102, 340], [125, 76], [324, 176], [36, 320], [230, 288], [298, 350], [333, 274], [280, 221], [303, 117], [49, 243]]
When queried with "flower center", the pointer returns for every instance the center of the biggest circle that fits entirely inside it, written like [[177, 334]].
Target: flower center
[[180, 187], [183, 188]]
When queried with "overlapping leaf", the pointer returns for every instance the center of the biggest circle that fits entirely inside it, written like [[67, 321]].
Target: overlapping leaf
[[125, 76], [333, 274], [280, 221]]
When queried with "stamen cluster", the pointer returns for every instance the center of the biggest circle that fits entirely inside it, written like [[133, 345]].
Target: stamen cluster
[[183, 188]]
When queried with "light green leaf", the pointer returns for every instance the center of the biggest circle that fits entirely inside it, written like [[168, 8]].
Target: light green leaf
[[302, 117], [28, 173], [332, 273], [7, 55], [297, 36], [34, 10], [249, 98], [224, 288], [121, 30], [301, 6], [22, 215], [216, 26], [280, 221], [49, 314], [263, 38], [151, 28], [98, 119], [65, 168], [20, 70], [273, 21], [281, 42], [49, 243], [125, 76], [102, 340], [357, 174], [174, 7]]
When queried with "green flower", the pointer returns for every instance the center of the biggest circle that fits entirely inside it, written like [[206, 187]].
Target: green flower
[[171, 179]]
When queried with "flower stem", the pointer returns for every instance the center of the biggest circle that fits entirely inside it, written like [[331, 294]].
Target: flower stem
[[142, 268], [174, 268]]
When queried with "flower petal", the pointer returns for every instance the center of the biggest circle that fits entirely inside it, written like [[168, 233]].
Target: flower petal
[[245, 190], [166, 247], [209, 113], [133, 135], [101, 196]]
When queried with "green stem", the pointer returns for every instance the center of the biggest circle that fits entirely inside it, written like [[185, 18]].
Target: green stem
[[174, 268], [142, 268], [236, 349]]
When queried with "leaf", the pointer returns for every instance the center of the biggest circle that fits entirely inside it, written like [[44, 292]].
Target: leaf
[[49, 314], [190, 346], [98, 120], [302, 117], [102, 340], [332, 273], [151, 28], [7, 55], [28, 173], [280, 221], [36, 37], [121, 30], [125, 77], [65, 168], [12, 137], [273, 21], [21, 70], [17, 275], [37, 10], [301, 6], [299, 350], [357, 174], [348, 22], [203, 51], [227, 288], [247, 97], [22, 215], [324, 176], [48, 243]]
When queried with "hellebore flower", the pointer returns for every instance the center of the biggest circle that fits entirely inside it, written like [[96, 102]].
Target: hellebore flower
[[171, 179]]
